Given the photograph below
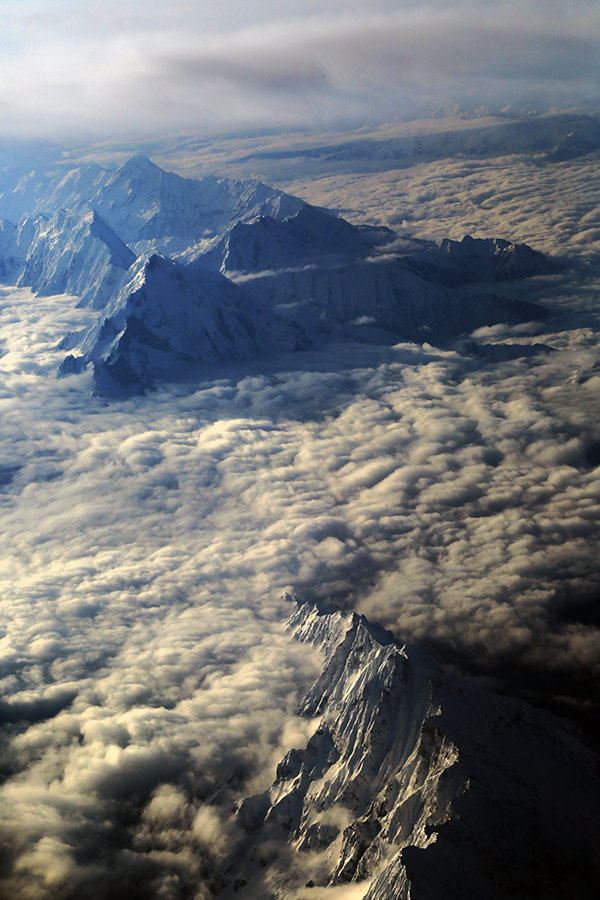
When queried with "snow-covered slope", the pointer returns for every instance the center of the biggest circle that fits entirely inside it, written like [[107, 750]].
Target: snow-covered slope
[[76, 253], [389, 294], [310, 235], [164, 319], [417, 784], [45, 189]]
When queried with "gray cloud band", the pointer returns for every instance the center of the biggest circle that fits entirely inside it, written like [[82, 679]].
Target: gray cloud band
[[307, 69]]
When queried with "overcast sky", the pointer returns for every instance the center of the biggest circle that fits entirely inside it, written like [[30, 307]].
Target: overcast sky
[[68, 66]]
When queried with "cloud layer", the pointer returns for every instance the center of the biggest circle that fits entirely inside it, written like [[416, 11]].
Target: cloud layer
[[145, 679], [150, 67]]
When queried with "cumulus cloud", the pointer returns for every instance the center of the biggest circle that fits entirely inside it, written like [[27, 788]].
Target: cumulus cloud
[[153, 67]]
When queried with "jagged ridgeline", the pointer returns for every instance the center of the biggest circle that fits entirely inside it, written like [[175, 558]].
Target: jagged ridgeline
[[416, 783], [185, 273]]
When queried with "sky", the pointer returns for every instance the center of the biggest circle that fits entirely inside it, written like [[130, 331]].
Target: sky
[[146, 67]]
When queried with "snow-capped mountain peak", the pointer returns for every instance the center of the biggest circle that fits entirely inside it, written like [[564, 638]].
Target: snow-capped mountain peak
[[164, 318], [137, 166], [416, 783]]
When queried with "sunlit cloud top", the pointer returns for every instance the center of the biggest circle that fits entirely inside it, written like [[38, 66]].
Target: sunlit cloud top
[[68, 67]]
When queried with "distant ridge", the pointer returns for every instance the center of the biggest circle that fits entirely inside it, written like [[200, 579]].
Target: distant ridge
[[563, 136]]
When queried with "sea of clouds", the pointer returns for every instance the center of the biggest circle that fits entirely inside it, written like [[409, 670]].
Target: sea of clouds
[[146, 681]]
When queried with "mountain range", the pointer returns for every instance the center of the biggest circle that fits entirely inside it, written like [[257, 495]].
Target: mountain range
[[414, 782], [555, 137], [186, 272]]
